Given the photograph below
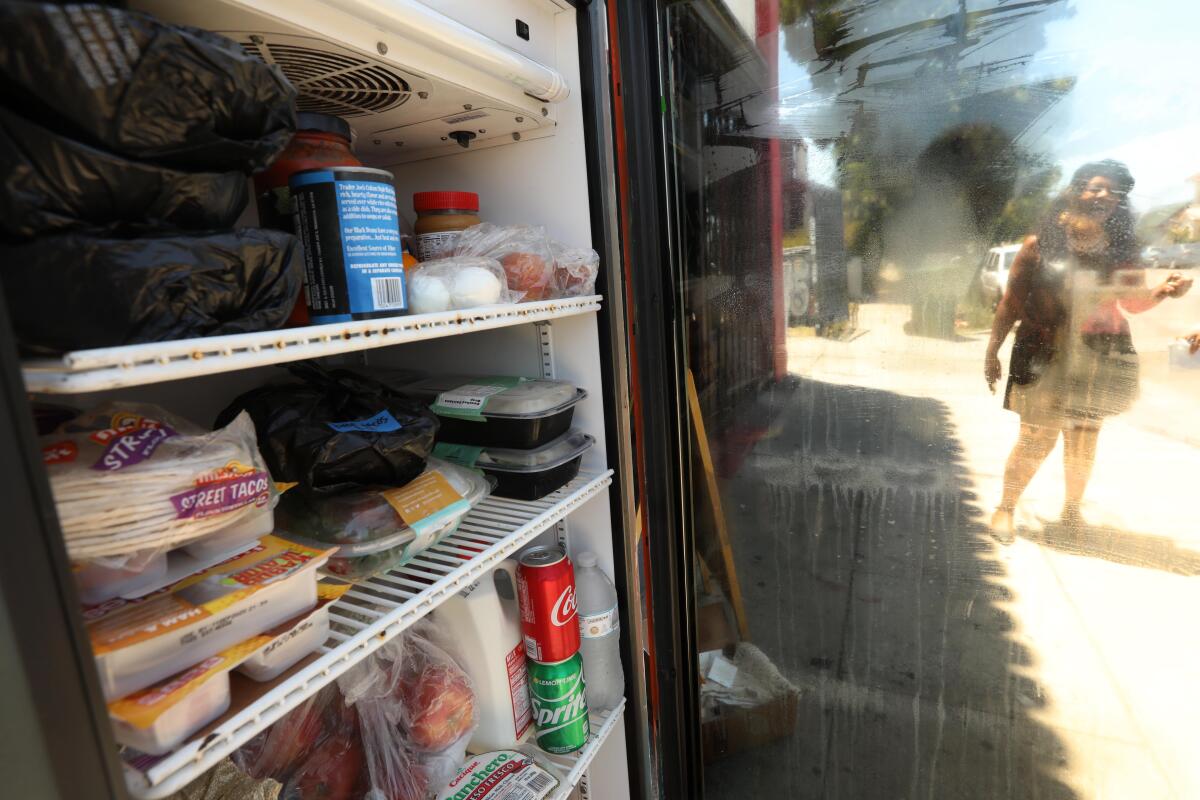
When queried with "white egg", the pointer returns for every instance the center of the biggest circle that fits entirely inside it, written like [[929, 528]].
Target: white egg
[[475, 286], [427, 294]]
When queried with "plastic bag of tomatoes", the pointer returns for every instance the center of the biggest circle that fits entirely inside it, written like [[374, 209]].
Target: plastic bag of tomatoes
[[395, 724]]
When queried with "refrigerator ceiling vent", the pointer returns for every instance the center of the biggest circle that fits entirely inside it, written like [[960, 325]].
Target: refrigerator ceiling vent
[[331, 80]]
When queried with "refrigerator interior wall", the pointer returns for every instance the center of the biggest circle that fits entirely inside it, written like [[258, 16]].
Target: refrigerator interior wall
[[540, 179]]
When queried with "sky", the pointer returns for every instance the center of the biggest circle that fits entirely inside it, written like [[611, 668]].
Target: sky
[[1135, 93]]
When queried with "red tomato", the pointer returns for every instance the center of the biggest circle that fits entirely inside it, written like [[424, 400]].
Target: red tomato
[[528, 273], [333, 772]]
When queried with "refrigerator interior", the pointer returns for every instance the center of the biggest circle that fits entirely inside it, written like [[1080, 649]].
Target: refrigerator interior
[[530, 168]]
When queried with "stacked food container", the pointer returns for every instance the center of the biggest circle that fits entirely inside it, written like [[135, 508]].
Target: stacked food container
[[517, 431]]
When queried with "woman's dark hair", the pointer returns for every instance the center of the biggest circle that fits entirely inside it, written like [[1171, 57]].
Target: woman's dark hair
[[1122, 243]]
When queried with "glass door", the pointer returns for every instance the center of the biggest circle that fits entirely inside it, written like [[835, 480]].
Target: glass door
[[945, 411]]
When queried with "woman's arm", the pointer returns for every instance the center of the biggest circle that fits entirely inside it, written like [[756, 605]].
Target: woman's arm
[[1176, 285], [1016, 291]]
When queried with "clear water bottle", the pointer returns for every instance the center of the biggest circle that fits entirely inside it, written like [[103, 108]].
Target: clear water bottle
[[600, 634]]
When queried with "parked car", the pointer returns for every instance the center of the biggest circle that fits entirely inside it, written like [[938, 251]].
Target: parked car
[[1172, 256], [993, 275]]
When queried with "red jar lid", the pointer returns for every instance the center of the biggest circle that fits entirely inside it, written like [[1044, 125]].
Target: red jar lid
[[436, 201]]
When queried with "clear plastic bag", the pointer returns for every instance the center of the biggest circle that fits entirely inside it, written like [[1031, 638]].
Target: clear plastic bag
[[575, 270], [417, 713], [414, 686], [280, 750], [394, 725], [524, 251], [458, 282]]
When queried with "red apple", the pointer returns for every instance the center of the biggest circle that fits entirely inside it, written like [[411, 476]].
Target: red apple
[[440, 706], [289, 740]]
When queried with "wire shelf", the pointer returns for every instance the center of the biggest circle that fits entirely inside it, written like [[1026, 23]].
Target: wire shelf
[[575, 765], [372, 613]]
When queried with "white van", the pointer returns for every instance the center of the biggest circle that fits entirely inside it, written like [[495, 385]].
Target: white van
[[994, 273]]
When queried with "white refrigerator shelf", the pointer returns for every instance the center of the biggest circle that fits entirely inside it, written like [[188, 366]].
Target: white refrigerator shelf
[[371, 614], [103, 368]]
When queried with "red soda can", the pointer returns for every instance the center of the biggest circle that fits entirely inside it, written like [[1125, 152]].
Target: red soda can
[[546, 593]]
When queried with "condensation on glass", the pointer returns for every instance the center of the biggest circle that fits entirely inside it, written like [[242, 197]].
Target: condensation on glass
[[936, 258]]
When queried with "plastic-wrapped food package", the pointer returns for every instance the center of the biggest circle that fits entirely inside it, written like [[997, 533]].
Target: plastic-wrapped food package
[[337, 431], [140, 642], [129, 478], [458, 282], [523, 773], [177, 96], [75, 291], [53, 183], [381, 528], [575, 270], [524, 251], [395, 724]]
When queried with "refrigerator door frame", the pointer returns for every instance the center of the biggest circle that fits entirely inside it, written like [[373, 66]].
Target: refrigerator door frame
[[597, 80], [56, 732], [657, 337]]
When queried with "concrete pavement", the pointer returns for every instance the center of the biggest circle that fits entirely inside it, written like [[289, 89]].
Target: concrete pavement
[[936, 663]]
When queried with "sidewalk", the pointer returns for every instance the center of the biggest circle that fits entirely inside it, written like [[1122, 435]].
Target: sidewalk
[[935, 662]]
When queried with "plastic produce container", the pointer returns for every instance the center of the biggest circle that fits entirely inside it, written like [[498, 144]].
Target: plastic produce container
[[141, 642], [369, 533], [288, 648], [533, 474], [499, 411]]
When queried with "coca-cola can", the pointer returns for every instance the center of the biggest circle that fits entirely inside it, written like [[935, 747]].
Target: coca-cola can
[[546, 592]]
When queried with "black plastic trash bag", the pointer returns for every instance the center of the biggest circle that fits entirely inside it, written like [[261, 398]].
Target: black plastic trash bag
[[337, 431], [142, 88], [50, 183], [75, 291]]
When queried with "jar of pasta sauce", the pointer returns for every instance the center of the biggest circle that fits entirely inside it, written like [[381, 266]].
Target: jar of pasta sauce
[[321, 140]]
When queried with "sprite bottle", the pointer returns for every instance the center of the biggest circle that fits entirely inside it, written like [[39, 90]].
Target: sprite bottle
[[560, 712]]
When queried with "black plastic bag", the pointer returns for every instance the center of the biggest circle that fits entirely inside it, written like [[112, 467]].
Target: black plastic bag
[[75, 291], [337, 431], [177, 96], [51, 183]]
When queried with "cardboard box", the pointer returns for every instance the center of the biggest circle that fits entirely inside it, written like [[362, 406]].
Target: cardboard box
[[714, 628], [730, 728]]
